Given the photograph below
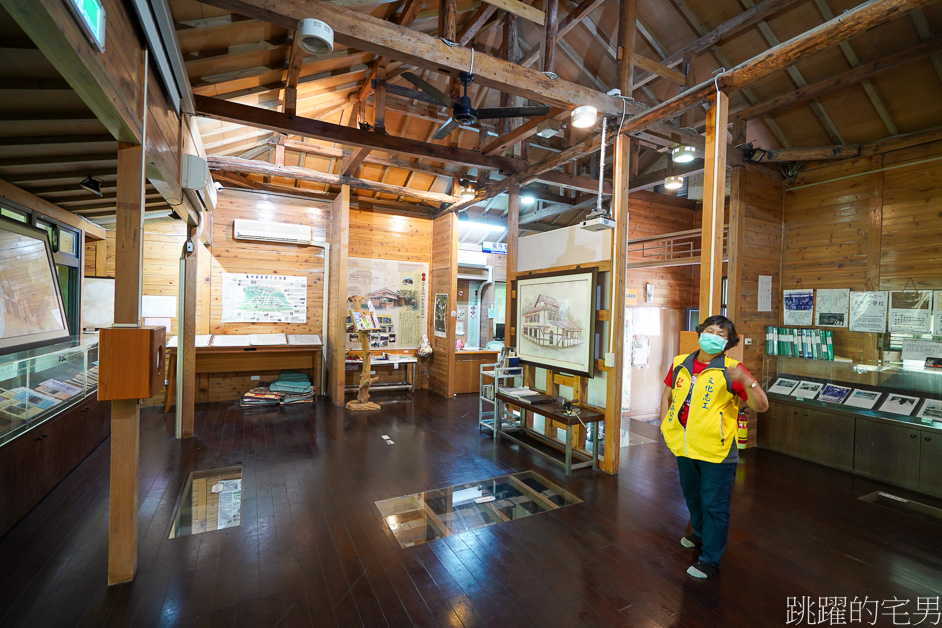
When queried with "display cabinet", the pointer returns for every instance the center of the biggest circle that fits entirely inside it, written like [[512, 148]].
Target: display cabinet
[[50, 420], [879, 420]]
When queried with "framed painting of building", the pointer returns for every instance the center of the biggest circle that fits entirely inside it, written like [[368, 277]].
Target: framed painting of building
[[555, 321], [31, 310]]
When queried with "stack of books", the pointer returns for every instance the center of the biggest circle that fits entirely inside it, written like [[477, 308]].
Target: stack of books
[[800, 342]]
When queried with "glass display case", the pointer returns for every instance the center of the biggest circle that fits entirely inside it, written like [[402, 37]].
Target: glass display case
[[908, 393], [37, 384]]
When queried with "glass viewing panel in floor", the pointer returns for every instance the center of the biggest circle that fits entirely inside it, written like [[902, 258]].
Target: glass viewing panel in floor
[[211, 500], [423, 517]]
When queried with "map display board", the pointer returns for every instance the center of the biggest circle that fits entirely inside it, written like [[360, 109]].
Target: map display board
[[263, 298], [399, 293]]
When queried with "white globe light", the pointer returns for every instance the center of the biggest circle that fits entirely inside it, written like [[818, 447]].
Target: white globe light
[[674, 183], [585, 116]]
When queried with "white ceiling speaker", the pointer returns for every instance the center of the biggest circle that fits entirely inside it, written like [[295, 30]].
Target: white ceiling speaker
[[315, 37]]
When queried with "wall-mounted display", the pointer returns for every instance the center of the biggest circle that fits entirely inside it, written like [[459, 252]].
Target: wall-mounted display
[[399, 297], [868, 311], [899, 404], [799, 307], [909, 311], [807, 390], [31, 310], [440, 321], [833, 393], [263, 298], [830, 308], [555, 321]]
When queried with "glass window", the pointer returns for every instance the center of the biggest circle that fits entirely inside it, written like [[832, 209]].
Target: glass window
[[12, 214], [68, 242], [50, 233]]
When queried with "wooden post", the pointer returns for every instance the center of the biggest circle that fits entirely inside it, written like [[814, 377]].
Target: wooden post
[[627, 33], [449, 30], [549, 43], [186, 340], [714, 196], [737, 215], [874, 245], [513, 232], [509, 50], [336, 340], [379, 97]]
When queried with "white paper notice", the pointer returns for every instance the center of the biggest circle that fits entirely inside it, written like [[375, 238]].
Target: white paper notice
[[160, 307], [868, 311], [799, 307], [765, 293], [831, 308], [909, 311], [937, 312]]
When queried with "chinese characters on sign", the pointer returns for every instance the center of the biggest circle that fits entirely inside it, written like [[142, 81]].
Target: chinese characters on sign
[[842, 611]]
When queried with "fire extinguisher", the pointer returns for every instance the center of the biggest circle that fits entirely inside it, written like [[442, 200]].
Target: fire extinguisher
[[742, 433]]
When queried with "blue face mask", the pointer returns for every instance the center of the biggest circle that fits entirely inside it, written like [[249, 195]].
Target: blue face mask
[[711, 343]]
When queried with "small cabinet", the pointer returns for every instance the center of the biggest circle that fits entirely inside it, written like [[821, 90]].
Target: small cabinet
[[827, 437], [888, 452], [930, 462], [779, 429]]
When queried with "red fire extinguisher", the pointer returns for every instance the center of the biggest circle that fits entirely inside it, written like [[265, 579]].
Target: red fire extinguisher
[[742, 433]]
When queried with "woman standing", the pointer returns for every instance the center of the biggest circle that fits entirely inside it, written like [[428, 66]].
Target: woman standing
[[699, 409]]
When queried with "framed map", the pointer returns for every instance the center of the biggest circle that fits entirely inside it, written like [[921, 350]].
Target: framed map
[[31, 310], [263, 298]]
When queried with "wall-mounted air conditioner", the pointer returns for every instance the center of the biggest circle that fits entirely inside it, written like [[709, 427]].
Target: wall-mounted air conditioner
[[271, 232]]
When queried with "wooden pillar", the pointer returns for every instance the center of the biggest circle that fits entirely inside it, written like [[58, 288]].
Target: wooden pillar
[[449, 30], [444, 280], [379, 97], [513, 232], [874, 246], [509, 53], [551, 10], [336, 340], [714, 196], [627, 34], [186, 340], [737, 216]]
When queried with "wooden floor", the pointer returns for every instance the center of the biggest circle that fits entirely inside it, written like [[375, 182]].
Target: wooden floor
[[312, 549]]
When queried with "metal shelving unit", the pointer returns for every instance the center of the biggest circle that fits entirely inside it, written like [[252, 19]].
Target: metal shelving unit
[[496, 376]]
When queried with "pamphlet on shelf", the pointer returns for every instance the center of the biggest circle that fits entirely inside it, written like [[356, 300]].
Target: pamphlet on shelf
[[267, 340], [807, 390], [861, 398], [899, 404], [230, 340], [304, 339]]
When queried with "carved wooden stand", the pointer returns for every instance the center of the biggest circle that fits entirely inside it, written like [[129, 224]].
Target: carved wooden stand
[[362, 401]]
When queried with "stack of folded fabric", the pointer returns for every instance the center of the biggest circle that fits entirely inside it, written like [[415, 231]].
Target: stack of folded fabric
[[294, 387], [260, 396]]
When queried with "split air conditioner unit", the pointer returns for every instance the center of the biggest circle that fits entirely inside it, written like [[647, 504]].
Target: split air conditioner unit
[[260, 231]]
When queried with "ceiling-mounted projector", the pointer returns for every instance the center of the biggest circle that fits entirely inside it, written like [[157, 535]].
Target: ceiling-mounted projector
[[315, 37]]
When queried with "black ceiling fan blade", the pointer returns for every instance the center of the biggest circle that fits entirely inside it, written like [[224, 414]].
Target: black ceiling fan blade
[[412, 94], [446, 129], [428, 88], [512, 112]]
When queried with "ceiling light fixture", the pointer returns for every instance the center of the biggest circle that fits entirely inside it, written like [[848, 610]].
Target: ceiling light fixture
[[91, 184], [674, 182], [527, 199], [476, 224], [683, 154], [466, 190], [584, 117], [315, 37]]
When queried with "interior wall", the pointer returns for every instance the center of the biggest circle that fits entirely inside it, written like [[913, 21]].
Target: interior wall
[[444, 280]]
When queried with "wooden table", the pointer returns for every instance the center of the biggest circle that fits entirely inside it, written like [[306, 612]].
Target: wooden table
[[244, 359], [554, 412], [407, 384]]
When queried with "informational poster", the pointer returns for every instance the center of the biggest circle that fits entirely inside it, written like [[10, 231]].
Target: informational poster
[[799, 307], [230, 503], [868, 311], [159, 306], [263, 298], [909, 311], [631, 296], [398, 292], [765, 293], [440, 320], [830, 308], [937, 312], [919, 350]]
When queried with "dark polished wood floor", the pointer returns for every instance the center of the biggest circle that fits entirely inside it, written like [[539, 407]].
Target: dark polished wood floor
[[312, 549]]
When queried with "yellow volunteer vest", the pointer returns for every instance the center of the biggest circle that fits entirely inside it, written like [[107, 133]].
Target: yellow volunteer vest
[[714, 409]]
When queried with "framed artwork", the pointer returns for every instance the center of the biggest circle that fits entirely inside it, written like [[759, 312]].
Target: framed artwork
[[899, 404], [440, 316], [807, 390], [31, 309], [555, 321]]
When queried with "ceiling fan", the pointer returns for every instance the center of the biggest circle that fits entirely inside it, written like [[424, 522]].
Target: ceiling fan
[[462, 113]]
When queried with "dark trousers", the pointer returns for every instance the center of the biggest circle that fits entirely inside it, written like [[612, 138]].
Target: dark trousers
[[707, 488]]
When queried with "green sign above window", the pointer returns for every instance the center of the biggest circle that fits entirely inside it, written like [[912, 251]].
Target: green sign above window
[[91, 17]]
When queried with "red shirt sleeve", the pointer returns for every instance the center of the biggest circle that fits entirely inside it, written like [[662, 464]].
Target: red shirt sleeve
[[668, 378]]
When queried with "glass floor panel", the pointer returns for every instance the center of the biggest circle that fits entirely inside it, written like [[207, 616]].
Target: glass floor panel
[[423, 517], [211, 500]]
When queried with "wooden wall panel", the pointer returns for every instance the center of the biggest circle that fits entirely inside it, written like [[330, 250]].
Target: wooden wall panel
[[163, 142], [444, 280]]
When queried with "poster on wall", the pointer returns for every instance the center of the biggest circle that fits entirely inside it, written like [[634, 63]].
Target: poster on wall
[[440, 321], [799, 307], [399, 295], [765, 293], [937, 312], [909, 311], [868, 311], [555, 319], [830, 308], [263, 298]]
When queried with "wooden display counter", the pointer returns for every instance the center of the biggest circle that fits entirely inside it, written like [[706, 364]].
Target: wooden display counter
[[468, 369], [246, 359]]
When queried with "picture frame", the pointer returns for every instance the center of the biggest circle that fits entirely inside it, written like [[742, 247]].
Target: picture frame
[[555, 320], [807, 390], [899, 404], [32, 313], [862, 398]]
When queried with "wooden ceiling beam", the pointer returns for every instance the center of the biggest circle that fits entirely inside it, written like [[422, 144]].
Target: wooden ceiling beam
[[334, 153], [294, 125], [522, 132], [812, 153], [843, 80], [568, 23], [474, 23], [20, 196], [251, 166], [364, 32]]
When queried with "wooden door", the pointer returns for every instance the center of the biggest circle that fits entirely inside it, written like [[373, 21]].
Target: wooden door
[[930, 462]]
